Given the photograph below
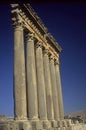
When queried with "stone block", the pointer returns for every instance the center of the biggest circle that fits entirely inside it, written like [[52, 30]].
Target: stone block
[[59, 123], [52, 128], [4, 126], [69, 122], [54, 124], [58, 128], [13, 126], [36, 125], [25, 125], [64, 123], [46, 124], [77, 122]]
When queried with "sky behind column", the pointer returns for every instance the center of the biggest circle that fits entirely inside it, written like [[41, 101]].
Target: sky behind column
[[67, 23]]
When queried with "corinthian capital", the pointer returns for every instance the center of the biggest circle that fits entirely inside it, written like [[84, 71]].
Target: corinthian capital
[[51, 57], [30, 36], [38, 44], [56, 62], [46, 51], [17, 21]]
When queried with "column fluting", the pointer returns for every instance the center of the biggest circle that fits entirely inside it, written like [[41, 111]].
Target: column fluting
[[32, 103], [42, 110], [20, 111], [59, 90], [49, 100], [54, 89]]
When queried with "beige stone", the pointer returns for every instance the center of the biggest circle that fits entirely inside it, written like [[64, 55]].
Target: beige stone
[[20, 111], [49, 100], [59, 90], [42, 109], [54, 90], [32, 101]]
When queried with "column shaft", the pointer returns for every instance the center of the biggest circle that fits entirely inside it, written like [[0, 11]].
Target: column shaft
[[54, 90], [41, 84], [20, 111], [50, 112], [31, 78], [59, 90]]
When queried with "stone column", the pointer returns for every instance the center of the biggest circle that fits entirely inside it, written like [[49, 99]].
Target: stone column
[[40, 82], [50, 113], [54, 89], [59, 90], [32, 103], [20, 111]]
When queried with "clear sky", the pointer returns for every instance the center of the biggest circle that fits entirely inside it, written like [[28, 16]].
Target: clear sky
[[67, 23]]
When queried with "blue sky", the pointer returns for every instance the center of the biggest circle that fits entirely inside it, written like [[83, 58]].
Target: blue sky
[[67, 23]]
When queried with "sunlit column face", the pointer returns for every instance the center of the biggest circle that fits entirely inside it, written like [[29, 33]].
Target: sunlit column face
[[50, 112], [40, 83], [20, 111], [54, 90], [32, 103], [59, 90]]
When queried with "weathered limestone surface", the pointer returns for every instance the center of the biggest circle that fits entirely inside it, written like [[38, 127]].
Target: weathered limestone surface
[[20, 111], [15, 125], [49, 100], [59, 90], [41, 84], [32, 102], [11, 124], [54, 90]]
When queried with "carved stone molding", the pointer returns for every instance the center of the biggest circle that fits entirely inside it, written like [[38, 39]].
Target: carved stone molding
[[51, 57], [30, 36], [33, 23], [56, 61], [17, 22], [38, 44], [46, 51]]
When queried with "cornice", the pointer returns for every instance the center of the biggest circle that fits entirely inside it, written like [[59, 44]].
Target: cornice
[[38, 19]]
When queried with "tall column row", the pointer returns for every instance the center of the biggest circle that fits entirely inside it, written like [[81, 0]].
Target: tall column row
[[37, 91]]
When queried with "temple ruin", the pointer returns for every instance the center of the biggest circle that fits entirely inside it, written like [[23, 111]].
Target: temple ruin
[[38, 103]]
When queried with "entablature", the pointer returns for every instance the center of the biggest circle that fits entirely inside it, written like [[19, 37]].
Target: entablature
[[32, 22]]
